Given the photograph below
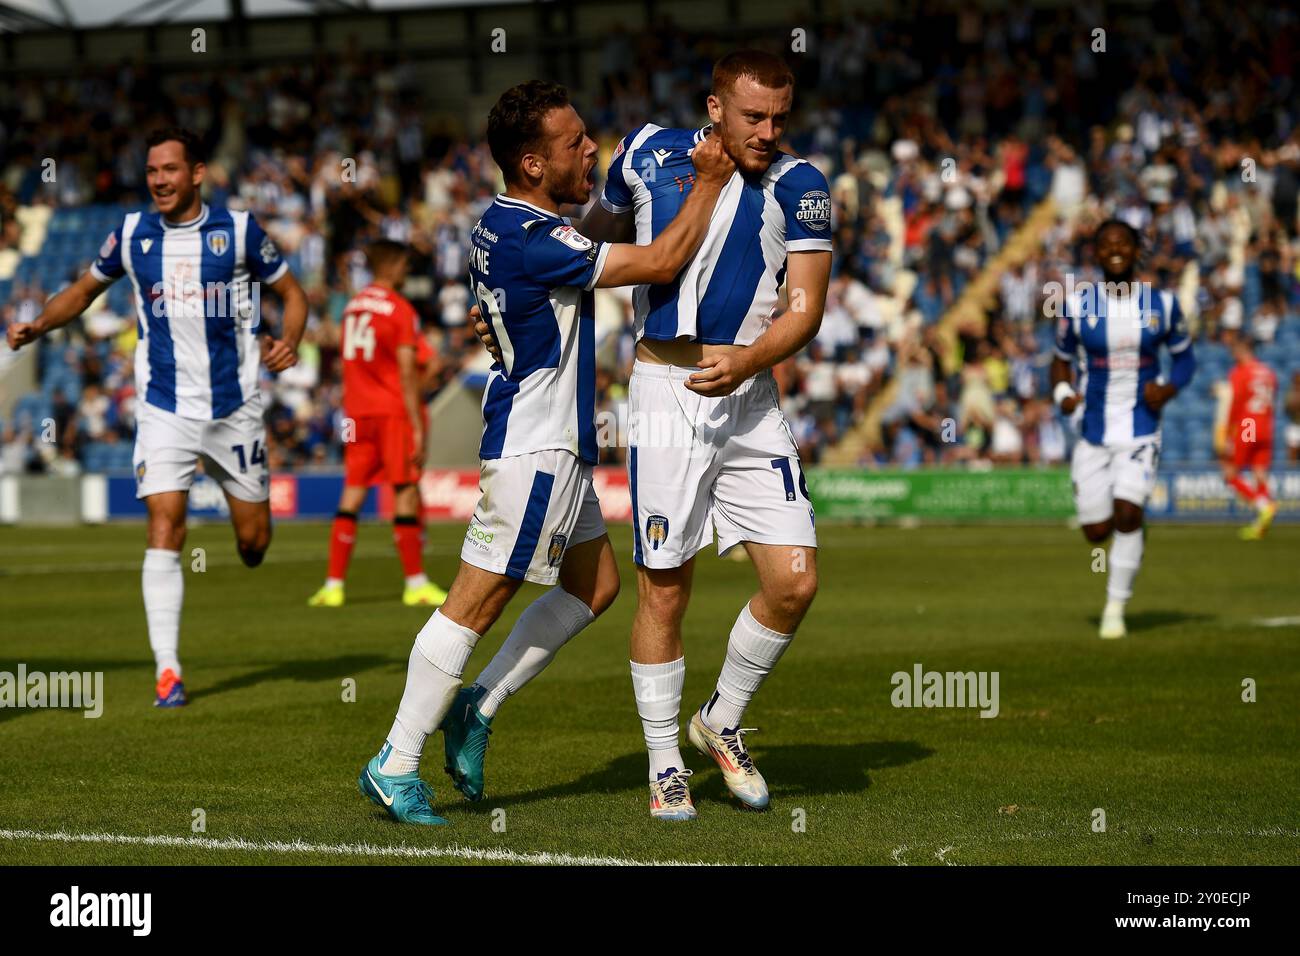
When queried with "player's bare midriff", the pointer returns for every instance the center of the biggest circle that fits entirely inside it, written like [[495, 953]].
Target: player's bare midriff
[[682, 351]]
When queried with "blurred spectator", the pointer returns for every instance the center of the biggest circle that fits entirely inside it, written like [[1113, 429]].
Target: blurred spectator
[[939, 128]]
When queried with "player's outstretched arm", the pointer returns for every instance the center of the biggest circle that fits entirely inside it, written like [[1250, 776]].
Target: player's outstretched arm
[[58, 312], [283, 352], [660, 261], [807, 276]]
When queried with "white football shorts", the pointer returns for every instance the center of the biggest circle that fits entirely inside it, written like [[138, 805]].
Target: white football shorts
[[700, 465], [531, 509], [1101, 475], [233, 449]]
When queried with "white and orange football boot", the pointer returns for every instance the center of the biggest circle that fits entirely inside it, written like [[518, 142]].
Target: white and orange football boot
[[728, 751], [670, 797]]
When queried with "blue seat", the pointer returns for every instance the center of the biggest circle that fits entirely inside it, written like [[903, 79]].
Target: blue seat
[[30, 410], [121, 458], [92, 458]]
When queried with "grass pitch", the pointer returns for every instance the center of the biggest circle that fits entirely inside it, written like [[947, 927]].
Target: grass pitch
[[1152, 730]]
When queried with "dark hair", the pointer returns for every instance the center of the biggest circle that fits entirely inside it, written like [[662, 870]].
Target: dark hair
[[765, 69], [193, 145], [1136, 236], [515, 122], [383, 252]]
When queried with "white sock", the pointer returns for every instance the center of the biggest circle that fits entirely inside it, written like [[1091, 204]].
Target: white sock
[[164, 589], [334, 582], [417, 580], [432, 678], [658, 689], [1125, 559], [752, 652], [545, 626]]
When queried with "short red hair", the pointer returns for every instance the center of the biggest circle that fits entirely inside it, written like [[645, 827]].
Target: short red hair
[[765, 69]]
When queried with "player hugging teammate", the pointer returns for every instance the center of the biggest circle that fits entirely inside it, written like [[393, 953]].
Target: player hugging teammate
[[1114, 332], [708, 335], [538, 518]]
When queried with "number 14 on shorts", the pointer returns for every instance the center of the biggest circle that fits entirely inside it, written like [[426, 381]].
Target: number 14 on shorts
[[257, 458]]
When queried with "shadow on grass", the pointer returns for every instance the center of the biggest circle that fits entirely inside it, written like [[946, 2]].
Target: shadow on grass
[[1154, 620], [791, 770], [309, 670], [52, 665]]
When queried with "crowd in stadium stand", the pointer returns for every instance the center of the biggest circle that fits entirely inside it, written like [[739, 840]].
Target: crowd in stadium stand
[[939, 135]]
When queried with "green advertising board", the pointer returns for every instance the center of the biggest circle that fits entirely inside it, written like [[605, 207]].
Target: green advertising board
[[854, 494]]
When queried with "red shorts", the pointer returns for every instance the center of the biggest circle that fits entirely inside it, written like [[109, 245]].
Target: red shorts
[[380, 452], [1252, 454]]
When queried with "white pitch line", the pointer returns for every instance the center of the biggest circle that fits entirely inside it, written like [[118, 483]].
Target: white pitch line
[[1277, 621], [405, 852]]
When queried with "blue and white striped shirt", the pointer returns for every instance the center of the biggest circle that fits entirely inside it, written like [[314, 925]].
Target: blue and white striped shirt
[[532, 273], [726, 294], [196, 305], [1116, 340]]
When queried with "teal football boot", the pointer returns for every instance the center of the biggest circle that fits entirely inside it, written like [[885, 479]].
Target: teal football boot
[[465, 734], [405, 796]]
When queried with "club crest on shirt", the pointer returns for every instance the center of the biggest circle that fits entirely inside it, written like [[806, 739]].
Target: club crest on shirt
[[555, 553], [571, 238], [218, 241], [656, 531]]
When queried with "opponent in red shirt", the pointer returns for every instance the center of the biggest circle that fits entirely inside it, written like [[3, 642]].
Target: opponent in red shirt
[[383, 425], [1250, 434]]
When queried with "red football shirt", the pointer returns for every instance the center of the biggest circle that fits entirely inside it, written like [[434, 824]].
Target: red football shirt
[[375, 324], [1254, 386]]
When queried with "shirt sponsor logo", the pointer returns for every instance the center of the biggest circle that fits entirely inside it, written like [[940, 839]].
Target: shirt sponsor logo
[[479, 537], [815, 210], [571, 238], [109, 245]]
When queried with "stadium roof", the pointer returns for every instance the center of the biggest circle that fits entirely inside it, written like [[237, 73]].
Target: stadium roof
[[21, 15]]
